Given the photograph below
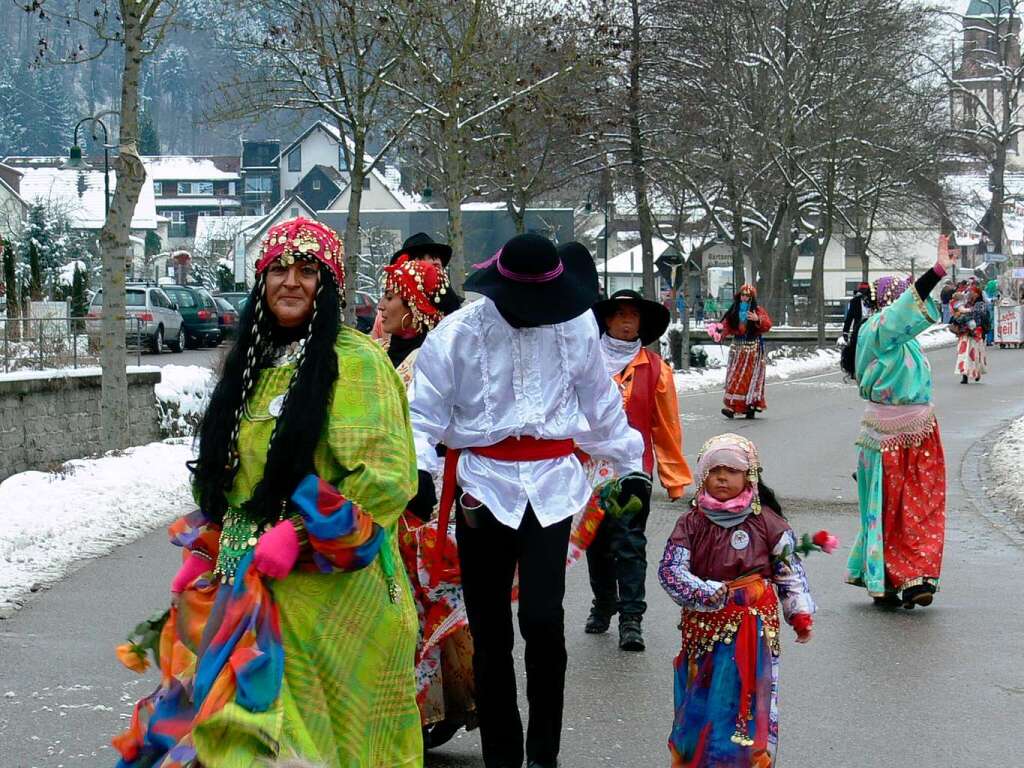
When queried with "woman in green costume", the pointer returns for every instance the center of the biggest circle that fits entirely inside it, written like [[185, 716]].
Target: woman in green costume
[[293, 631]]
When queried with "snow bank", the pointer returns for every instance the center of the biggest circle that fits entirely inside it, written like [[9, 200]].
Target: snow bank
[[50, 520], [786, 361], [1006, 454], [182, 396]]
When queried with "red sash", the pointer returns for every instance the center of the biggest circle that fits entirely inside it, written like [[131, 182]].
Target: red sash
[[510, 449]]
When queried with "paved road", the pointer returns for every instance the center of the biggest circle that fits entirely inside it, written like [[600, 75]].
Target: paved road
[[937, 687], [206, 357]]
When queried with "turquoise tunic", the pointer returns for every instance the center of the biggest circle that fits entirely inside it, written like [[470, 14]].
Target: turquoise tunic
[[891, 370]]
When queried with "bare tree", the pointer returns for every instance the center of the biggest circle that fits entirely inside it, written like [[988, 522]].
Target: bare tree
[[985, 85], [333, 57], [133, 29], [457, 72]]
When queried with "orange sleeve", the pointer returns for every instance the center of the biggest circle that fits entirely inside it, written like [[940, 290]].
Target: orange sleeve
[[667, 435]]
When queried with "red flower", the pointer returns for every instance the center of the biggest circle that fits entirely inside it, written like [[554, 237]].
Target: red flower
[[826, 542]]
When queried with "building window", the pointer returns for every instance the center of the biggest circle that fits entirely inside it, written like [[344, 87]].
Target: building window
[[316, 185], [232, 188], [178, 227], [366, 182], [342, 160], [184, 187], [295, 159], [258, 184], [158, 188], [294, 212], [202, 188]]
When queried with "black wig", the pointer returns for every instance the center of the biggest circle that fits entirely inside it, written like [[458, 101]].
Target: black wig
[[300, 423], [732, 315]]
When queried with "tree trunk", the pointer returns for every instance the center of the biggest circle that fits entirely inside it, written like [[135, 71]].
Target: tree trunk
[[353, 240], [518, 213], [818, 283], [636, 153], [115, 243], [454, 193], [997, 183]]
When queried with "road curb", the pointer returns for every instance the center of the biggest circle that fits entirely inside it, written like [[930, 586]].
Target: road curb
[[975, 474]]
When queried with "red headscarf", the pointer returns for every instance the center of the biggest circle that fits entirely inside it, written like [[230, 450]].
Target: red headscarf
[[421, 286], [301, 238]]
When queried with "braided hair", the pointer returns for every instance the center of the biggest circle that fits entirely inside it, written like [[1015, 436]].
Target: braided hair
[[298, 427]]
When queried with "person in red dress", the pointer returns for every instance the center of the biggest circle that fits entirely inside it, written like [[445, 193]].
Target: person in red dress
[[746, 323]]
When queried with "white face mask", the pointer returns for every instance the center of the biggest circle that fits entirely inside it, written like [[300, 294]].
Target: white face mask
[[618, 353]]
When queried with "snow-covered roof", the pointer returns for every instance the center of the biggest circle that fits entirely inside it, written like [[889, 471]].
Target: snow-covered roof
[[629, 262], [170, 203], [79, 195], [222, 228], [390, 178], [189, 168]]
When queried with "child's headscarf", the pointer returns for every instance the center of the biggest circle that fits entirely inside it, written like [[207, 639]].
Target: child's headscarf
[[733, 451]]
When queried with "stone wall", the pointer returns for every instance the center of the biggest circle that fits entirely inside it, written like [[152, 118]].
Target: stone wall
[[47, 419]]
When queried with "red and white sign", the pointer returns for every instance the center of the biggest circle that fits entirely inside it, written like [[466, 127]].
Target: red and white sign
[[1009, 324]]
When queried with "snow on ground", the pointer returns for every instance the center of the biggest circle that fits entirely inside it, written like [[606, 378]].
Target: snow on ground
[[786, 361], [1007, 452], [51, 520], [182, 396]]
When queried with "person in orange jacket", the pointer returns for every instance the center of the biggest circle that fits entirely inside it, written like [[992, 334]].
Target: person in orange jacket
[[617, 558]]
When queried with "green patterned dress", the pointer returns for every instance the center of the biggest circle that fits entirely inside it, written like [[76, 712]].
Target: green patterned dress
[[348, 698]]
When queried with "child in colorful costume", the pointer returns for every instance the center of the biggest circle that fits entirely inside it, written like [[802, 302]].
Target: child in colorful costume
[[744, 382], [970, 322], [292, 627], [415, 291], [901, 470], [723, 563], [617, 558]]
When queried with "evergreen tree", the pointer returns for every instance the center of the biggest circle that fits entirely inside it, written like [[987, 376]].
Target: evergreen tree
[[79, 300], [10, 280], [52, 128], [35, 285], [149, 142], [12, 121]]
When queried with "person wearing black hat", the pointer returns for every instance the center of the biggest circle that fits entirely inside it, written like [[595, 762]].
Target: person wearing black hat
[[860, 308], [617, 558], [512, 384], [421, 247]]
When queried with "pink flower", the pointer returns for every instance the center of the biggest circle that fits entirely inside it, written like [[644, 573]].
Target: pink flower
[[826, 542]]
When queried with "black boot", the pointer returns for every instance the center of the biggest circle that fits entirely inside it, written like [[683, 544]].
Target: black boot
[[963, 379], [631, 637], [727, 413], [597, 622], [752, 413], [439, 733], [919, 595], [890, 600]]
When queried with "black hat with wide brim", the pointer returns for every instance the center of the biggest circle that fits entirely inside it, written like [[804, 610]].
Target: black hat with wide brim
[[420, 244], [654, 317], [536, 282]]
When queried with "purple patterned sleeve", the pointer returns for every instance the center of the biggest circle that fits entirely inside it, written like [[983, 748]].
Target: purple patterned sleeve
[[790, 579], [682, 586]]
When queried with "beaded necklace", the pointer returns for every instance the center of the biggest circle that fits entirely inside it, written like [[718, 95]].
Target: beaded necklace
[[238, 535]]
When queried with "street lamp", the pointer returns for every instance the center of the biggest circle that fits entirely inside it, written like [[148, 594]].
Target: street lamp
[[76, 162], [590, 207]]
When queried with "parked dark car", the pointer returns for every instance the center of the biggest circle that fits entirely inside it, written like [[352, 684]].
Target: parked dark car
[[199, 313], [366, 311], [227, 316], [236, 299]]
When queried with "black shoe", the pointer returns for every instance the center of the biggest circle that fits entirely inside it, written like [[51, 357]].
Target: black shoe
[[597, 622], [752, 413], [920, 595], [539, 764], [963, 379], [727, 413], [439, 733], [890, 600], [631, 637]]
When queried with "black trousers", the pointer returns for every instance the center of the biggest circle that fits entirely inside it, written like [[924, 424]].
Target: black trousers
[[617, 561], [488, 555]]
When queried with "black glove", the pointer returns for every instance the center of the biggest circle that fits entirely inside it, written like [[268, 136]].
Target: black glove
[[423, 503], [635, 484]]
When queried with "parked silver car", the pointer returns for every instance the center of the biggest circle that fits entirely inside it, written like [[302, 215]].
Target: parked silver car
[[152, 316]]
